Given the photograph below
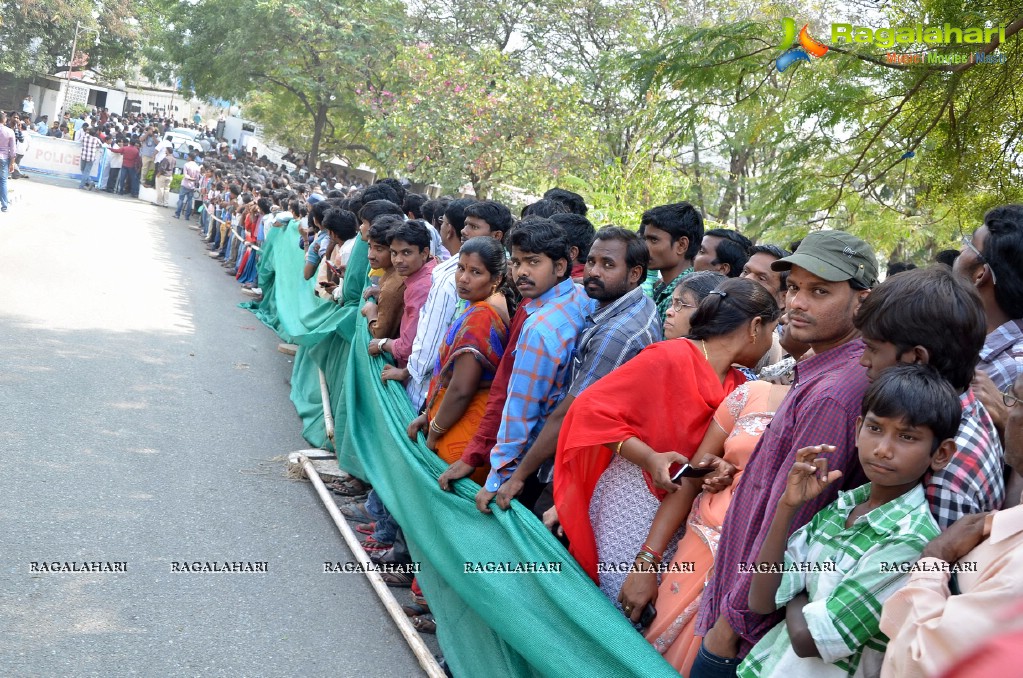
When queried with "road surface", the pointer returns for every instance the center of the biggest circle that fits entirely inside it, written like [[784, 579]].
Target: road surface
[[141, 410]]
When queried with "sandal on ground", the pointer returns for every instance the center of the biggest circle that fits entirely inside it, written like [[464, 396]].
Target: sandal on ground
[[352, 487], [366, 528], [415, 609], [424, 624], [372, 545], [356, 511], [399, 580]]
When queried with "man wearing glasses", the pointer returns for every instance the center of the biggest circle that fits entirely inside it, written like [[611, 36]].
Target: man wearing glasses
[[992, 259]]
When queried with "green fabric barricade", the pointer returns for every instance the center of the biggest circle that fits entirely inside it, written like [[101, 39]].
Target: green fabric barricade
[[547, 618]]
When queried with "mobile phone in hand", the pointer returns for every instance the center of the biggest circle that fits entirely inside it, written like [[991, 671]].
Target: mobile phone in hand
[[649, 612], [679, 471]]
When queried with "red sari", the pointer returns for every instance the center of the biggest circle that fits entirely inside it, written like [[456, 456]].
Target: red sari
[[665, 396]]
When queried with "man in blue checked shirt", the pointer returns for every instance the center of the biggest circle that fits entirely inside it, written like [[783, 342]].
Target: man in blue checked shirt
[[624, 322], [556, 310]]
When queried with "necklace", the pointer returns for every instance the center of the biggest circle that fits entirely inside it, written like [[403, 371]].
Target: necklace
[[704, 344]]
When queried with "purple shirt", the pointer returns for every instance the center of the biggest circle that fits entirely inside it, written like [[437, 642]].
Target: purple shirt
[[821, 409], [8, 146]]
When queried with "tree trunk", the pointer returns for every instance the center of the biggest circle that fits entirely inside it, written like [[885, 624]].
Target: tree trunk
[[696, 172], [736, 166], [319, 123]]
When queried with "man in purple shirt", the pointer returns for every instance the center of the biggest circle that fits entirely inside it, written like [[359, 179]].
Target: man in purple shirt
[[8, 152], [831, 274]]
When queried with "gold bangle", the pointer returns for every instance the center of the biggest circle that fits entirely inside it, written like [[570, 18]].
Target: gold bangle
[[618, 447], [437, 429]]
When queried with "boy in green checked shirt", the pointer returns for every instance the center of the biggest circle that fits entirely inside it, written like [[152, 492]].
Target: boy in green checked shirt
[[834, 574]]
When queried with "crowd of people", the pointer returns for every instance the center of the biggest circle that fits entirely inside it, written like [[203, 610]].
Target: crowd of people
[[770, 460]]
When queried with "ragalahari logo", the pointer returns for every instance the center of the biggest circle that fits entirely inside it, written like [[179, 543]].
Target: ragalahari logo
[[807, 45]]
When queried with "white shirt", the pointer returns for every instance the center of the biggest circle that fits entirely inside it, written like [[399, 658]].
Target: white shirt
[[435, 318], [28, 106]]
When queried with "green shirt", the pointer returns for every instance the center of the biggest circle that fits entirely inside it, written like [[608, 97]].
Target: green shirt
[[661, 293], [863, 569]]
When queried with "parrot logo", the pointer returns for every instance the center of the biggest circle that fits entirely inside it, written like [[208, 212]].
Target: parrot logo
[[807, 45]]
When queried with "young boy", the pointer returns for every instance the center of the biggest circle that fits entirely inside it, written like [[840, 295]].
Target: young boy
[[897, 322], [836, 571], [384, 302]]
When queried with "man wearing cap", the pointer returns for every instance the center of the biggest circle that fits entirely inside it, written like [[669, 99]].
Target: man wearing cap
[[831, 274]]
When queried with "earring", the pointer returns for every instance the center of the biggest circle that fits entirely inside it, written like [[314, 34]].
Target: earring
[[493, 290]]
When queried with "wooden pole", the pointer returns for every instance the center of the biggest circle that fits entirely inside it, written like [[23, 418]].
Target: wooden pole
[[415, 642]]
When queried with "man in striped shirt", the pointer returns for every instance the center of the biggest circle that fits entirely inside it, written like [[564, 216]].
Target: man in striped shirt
[[897, 323], [623, 324]]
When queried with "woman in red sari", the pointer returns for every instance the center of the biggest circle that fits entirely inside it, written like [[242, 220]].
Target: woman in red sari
[[621, 435]]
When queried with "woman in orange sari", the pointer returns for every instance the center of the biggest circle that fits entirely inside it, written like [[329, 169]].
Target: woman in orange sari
[[469, 355], [653, 412]]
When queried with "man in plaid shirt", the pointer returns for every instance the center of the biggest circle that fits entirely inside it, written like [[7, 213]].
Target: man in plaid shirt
[[91, 148], [897, 323], [555, 313]]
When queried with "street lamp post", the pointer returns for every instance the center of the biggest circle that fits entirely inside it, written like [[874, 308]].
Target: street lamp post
[[71, 64]]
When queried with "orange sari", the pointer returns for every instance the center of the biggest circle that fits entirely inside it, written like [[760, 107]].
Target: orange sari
[[481, 332]]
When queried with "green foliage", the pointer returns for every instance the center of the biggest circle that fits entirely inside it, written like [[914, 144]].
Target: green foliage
[[175, 184], [300, 66], [459, 119], [36, 36], [905, 157], [75, 110]]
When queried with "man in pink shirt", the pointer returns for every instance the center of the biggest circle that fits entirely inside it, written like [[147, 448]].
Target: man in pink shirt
[[410, 254], [8, 152]]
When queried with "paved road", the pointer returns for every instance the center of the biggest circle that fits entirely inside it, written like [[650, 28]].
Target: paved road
[[139, 412]]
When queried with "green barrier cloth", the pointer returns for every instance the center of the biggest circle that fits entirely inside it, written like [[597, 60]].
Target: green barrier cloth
[[493, 624]]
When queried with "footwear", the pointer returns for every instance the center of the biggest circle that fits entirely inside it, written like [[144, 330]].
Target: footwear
[[232, 271], [415, 609], [356, 511], [3, 209], [374, 546], [214, 254], [351, 487], [256, 292], [177, 216], [399, 580], [424, 624], [366, 528], [247, 286]]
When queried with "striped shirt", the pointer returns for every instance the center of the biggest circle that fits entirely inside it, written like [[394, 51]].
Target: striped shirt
[[543, 357], [821, 408], [1002, 355], [434, 320], [974, 480], [844, 612], [612, 336]]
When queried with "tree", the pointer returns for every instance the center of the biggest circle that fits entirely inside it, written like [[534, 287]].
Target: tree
[[36, 36], [475, 119], [304, 57], [846, 141]]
